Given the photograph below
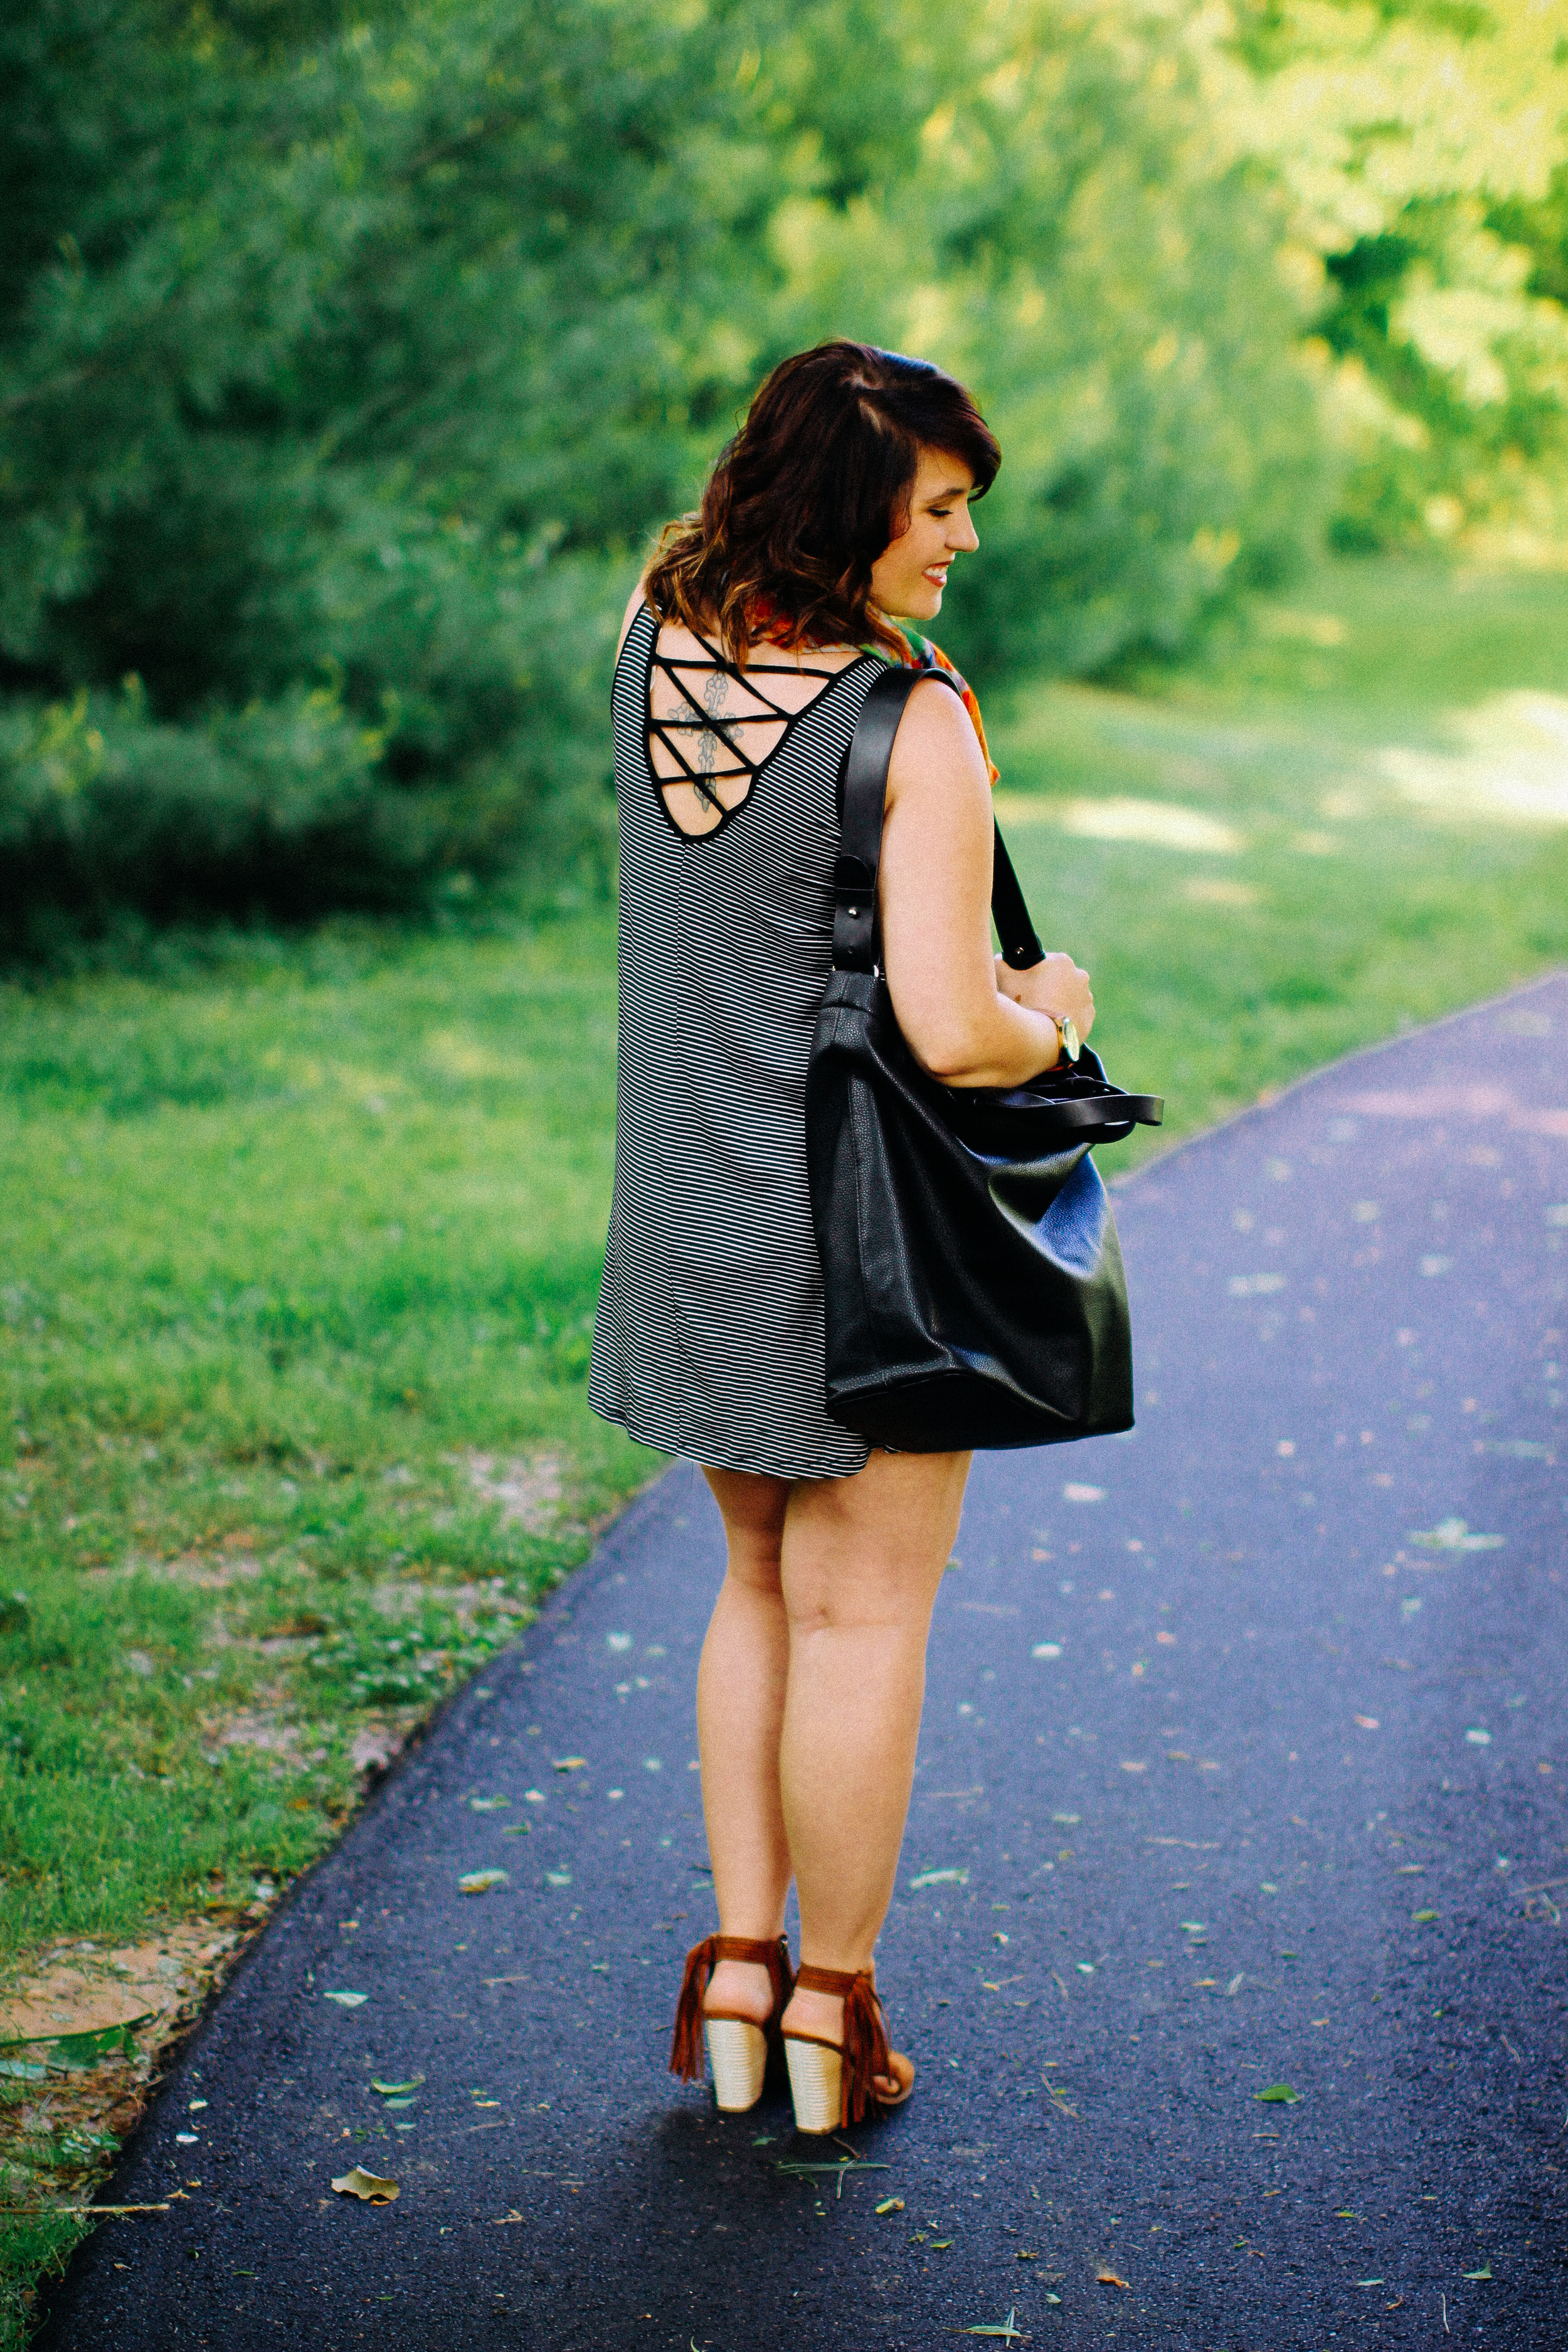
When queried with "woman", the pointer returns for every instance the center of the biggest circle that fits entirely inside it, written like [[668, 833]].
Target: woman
[[746, 655]]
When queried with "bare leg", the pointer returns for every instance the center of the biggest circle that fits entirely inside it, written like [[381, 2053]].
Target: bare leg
[[861, 1558], [740, 1717]]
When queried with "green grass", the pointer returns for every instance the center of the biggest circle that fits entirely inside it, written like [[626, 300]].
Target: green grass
[[284, 1248], [291, 1238], [1345, 911]]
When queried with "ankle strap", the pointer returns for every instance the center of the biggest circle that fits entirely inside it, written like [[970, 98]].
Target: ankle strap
[[835, 1980], [763, 1950]]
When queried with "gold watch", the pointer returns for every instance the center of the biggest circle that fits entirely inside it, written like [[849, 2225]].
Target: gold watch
[[1067, 1030]]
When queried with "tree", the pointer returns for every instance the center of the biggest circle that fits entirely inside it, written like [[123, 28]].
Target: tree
[[347, 366], [1422, 145]]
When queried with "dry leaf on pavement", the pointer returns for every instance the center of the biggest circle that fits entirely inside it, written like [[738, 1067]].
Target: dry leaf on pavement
[[368, 2186]]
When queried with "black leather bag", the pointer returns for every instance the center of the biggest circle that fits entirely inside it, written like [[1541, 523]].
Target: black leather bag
[[974, 1288]]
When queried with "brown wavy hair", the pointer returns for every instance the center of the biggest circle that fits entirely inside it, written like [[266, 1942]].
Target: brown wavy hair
[[808, 494]]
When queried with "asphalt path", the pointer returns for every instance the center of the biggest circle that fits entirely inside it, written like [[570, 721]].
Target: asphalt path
[[1229, 1936]]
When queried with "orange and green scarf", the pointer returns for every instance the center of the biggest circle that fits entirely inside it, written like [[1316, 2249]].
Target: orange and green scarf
[[923, 655]]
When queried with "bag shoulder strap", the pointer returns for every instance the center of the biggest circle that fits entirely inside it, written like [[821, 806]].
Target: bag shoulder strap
[[863, 797]]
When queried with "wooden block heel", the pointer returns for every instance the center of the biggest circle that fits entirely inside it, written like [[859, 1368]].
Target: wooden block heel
[[816, 2083], [833, 2086], [737, 2047], [738, 2055]]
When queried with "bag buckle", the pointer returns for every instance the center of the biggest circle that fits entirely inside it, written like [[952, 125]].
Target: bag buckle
[[854, 883]]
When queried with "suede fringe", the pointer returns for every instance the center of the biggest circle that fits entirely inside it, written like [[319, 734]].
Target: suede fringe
[[686, 2055], [865, 2054], [865, 2045]]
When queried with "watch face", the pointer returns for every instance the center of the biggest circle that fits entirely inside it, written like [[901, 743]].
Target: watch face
[[1072, 1044]]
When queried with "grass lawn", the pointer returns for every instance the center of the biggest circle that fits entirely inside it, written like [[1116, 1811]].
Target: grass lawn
[[1350, 820], [298, 1252]]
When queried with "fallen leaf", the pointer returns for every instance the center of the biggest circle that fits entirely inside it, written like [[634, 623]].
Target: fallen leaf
[[1423, 1919], [1372, 2282], [367, 2186], [1111, 2278], [346, 2000], [394, 2090], [1453, 1535], [479, 1881], [1484, 2272], [1367, 1722], [571, 1763], [939, 1878], [501, 2220], [1008, 2332], [488, 1804], [1278, 2095], [891, 2205]]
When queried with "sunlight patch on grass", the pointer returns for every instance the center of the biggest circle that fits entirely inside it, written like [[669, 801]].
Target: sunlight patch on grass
[[1512, 768], [1165, 825]]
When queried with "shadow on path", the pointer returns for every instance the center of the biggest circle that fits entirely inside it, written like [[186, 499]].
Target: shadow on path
[[1242, 1767]]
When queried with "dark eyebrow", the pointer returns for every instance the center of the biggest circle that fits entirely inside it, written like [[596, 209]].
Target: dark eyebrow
[[956, 491]]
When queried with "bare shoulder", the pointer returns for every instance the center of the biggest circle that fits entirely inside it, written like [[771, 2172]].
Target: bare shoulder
[[634, 606], [936, 749]]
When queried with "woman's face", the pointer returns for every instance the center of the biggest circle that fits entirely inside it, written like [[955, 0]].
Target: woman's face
[[909, 575]]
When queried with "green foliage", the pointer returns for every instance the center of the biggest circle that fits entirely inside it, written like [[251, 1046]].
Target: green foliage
[[333, 402], [1425, 146], [347, 367]]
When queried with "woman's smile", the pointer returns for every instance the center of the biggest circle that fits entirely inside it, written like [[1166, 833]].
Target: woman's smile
[[911, 574]]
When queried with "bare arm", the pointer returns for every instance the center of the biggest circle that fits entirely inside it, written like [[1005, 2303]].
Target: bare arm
[[936, 915]]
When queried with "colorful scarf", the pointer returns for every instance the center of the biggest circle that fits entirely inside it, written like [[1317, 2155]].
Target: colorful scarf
[[923, 655]]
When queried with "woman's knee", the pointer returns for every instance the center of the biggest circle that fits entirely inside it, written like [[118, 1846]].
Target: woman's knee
[[871, 1549], [752, 1509]]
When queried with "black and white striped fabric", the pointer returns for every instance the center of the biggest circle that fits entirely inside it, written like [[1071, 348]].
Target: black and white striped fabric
[[708, 1338]]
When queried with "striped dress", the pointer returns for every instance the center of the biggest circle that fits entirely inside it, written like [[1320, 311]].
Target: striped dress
[[708, 1338]]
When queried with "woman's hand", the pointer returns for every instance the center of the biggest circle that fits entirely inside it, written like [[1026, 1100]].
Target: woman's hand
[[1055, 985]]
